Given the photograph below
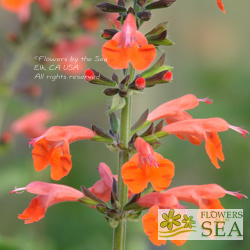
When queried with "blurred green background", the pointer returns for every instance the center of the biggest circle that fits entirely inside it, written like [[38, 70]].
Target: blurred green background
[[211, 57]]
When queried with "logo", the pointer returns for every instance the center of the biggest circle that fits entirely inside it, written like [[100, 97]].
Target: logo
[[200, 224]]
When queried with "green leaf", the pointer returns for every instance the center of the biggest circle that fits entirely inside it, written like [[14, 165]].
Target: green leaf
[[114, 123], [165, 42], [156, 71], [117, 103], [157, 30], [157, 67], [144, 125]]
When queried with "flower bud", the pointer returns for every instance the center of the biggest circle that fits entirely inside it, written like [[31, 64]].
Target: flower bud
[[108, 33], [160, 4], [95, 77], [144, 15], [110, 91], [108, 7], [140, 83], [141, 2], [161, 77], [89, 75], [168, 76]]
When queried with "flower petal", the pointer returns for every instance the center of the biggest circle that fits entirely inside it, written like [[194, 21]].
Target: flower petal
[[150, 226], [41, 154], [116, 57], [161, 176], [214, 148], [134, 177], [142, 57], [36, 209], [60, 164]]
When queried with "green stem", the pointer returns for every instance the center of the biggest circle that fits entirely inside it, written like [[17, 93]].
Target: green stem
[[119, 236]]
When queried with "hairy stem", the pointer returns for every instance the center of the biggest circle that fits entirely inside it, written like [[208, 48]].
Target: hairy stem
[[119, 236]]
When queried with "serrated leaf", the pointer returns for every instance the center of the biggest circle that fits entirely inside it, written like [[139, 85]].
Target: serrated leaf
[[117, 103]]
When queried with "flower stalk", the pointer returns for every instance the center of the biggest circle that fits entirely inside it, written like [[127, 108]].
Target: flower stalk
[[119, 236]]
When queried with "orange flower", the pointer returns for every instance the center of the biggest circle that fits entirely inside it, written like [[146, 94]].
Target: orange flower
[[129, 46], [161, 199], [15, 5], [173, 111], [22, 7], [150, 227], [33, 124], [51, 194], [52, 148], [204, 196], [102, 188], [221, 5], [48, 195], [198, 130], [147, 166]]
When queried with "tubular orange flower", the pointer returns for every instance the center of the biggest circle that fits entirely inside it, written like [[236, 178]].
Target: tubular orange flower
[[173, 111], [221, 5], [161, 199], [205, 196], [33, 124], [48, 195], [52, 148], [150, 227], [147, 166], [102, 188], [198, 130], [129, 46]]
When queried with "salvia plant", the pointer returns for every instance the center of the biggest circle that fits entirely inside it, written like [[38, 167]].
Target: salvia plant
[[143, 176]]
